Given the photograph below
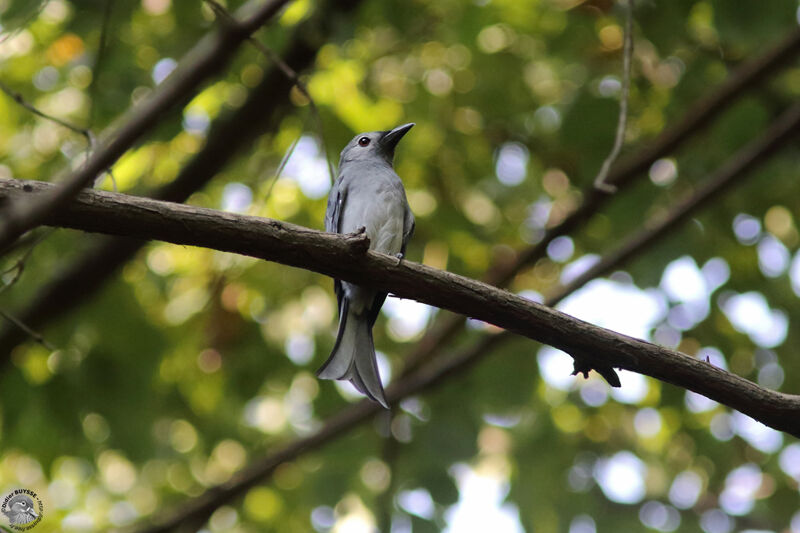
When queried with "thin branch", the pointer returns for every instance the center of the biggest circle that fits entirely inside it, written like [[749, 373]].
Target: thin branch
[[99, 59], [207, 58], [85, 132], [92, 90], [19, 99], [730, 174], [292, 75], [627, 52], [281, 166], [19, 264], [18, 268], [35, 335]]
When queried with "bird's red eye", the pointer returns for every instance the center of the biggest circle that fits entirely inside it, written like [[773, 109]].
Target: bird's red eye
[[363, 141]]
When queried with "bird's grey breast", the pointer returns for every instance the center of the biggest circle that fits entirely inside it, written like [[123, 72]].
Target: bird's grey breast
[[375, 200]]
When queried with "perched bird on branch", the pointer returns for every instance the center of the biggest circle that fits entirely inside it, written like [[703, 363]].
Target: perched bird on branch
[[367, 196]]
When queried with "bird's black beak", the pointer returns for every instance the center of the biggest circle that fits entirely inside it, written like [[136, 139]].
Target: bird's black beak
[[392, 137]]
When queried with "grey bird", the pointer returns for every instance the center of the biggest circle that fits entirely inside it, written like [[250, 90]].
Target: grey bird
[[367, 194]]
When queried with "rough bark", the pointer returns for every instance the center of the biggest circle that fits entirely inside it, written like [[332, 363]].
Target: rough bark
[[347, 257]]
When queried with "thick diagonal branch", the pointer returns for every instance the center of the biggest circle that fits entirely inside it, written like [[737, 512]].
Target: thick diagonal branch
[[346, 257]]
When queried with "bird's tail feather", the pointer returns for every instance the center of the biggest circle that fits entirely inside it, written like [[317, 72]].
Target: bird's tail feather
[[353, 356]]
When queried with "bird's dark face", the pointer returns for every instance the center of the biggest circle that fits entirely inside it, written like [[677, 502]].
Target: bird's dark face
[[374, 145]]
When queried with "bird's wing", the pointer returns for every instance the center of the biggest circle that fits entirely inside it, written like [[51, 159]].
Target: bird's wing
[[408, 228], [336, 199], [333, 223]]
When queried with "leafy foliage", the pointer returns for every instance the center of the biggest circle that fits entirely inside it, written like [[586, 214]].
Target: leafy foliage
[[191, 363]]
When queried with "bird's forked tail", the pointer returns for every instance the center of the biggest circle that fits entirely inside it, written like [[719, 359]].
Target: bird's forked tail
[[353, 356]]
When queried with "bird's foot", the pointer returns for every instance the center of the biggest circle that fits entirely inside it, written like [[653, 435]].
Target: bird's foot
[[399, 256]]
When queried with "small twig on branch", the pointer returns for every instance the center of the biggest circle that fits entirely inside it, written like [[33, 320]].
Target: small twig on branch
[[281, 166], [627, 53], [19, 265], [33, 334], [18, 268], [19, 99], [93, 85]]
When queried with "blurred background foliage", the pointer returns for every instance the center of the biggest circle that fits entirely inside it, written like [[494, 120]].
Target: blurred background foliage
[[191, 363]]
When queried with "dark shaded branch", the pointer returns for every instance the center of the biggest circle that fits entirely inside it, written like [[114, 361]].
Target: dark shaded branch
[[227, 137], [622, 175], [206, 59], [347, 258]]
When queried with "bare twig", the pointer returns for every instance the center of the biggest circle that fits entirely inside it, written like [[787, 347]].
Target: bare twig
[[731, 173], [627, 52], [35, 335], [19, 265], [99, 59], [19, 99], [96, 69], [281, 166], [293, 76], [18, 268]]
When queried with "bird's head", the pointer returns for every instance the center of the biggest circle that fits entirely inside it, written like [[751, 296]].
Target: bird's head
[[374, 145]]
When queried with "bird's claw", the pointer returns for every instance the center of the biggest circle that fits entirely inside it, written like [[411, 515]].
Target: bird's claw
[[399, 256]]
